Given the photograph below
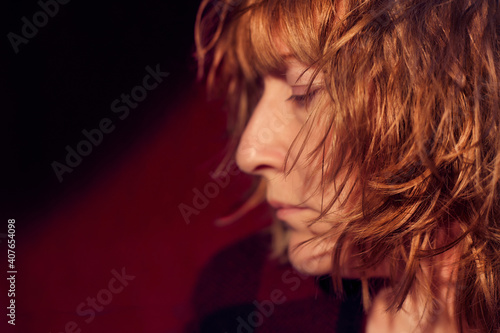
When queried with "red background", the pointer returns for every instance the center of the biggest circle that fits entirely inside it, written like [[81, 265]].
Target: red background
[[127, 216]]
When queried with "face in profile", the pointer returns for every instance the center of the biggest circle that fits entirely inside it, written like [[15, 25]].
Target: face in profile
[[276, 122], [387, 158]]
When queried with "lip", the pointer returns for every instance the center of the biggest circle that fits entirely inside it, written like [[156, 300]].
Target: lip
[[284, 211], [280, 205]]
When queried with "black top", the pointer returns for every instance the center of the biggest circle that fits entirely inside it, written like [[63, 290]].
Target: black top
[[242, 291]]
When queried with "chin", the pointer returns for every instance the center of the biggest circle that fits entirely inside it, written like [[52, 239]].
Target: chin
[[309, 259], [309, 266]]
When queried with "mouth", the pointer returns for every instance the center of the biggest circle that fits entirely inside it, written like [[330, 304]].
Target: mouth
[[285, 211]]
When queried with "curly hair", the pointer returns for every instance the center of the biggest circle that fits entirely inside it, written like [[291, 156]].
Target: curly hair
[[410, 109]]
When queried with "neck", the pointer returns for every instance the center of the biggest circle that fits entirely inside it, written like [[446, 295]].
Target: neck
[[418, 313]]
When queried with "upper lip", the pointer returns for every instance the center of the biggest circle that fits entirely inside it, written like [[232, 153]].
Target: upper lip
[[280, 205]]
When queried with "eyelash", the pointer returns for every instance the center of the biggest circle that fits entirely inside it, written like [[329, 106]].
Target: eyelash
[[301, 100]]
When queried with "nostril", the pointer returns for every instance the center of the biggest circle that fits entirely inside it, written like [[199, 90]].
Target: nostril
[[261, 168]]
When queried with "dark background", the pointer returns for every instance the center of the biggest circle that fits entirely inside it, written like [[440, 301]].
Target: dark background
[[118, 210], [65, 78]]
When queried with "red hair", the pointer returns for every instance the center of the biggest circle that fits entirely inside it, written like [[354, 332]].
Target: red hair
[[410, 110]]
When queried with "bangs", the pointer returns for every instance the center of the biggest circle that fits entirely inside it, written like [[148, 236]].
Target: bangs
[[273, 30]]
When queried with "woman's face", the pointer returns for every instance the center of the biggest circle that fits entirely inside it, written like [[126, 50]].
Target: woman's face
[[275, 123]]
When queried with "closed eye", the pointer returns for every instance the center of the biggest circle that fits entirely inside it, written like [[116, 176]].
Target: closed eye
[[301, 100]]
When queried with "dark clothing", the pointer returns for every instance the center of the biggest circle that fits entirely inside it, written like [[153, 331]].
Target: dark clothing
[[242, 291]]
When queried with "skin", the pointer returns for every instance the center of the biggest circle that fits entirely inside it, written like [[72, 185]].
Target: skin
[[275, 123]]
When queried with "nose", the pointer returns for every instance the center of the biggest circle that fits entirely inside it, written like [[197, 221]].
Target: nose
[[269, 132]]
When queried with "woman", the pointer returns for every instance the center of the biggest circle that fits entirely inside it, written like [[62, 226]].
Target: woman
[[374, 127]]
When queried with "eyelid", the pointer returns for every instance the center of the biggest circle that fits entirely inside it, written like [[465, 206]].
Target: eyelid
[[305, 89], [302, 94]]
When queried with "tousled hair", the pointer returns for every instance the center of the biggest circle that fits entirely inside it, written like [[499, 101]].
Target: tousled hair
[[411, 112]]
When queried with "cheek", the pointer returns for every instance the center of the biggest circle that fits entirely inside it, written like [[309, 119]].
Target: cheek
[[310, 167]]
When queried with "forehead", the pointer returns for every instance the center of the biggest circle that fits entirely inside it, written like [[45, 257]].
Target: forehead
[[279, 35], [295, 71]]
